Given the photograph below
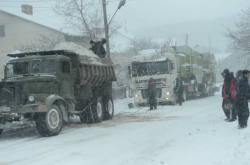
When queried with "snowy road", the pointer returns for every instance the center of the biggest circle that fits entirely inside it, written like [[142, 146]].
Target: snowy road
[[192, 134]]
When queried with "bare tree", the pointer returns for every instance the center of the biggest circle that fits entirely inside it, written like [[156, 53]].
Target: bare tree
[[140, 43], [240, 38], [86, 16], [41, 42]]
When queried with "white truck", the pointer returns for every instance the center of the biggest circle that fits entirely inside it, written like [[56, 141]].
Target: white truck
[[196, 71]]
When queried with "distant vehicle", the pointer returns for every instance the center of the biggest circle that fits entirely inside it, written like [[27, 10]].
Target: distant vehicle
[[49, 86], [196, 70]]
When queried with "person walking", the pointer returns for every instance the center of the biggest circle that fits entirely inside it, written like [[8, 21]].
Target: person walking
[[225, 92], [97, 48], [152, 94], [179, 89], [242, 97]]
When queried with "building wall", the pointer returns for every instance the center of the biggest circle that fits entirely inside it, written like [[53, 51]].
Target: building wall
[[19, 31]]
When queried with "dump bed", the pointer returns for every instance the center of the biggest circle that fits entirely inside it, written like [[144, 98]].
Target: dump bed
[[86, 69]]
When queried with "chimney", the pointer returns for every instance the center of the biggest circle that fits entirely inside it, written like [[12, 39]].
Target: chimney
[[27, 9]]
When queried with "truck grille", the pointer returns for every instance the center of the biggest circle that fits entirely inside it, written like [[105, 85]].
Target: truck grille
[[144, 93], [7, 96]]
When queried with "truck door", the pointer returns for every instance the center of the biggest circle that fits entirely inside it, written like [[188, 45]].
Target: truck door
[[66, 80]]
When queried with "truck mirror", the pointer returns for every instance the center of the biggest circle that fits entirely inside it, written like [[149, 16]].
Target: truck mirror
[[173, 65], [129, 70]]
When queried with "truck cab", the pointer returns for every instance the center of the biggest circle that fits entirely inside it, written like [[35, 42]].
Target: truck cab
[[161, 67]]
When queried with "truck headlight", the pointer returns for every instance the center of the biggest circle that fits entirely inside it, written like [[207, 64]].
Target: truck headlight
[[168, 93], [136, 95], [31, 98]]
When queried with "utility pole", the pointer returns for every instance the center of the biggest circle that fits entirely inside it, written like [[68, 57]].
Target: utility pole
[[209, 45], [106, 28], [186, 39]]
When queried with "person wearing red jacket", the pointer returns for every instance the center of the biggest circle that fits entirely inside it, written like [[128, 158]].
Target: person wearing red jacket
[[232, 95], [225, 92]]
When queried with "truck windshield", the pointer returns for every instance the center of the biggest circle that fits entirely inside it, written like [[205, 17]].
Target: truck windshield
[[150, 68], [43, 66], [17, 68]]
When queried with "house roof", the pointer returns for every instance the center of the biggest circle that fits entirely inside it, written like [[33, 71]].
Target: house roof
[[43, 14]]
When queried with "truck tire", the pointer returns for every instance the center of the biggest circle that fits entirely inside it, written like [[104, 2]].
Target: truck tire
[[49, 123], [84, 118], [174, 101], [1, 131], [184, 96], [109, 109], [97, 110]]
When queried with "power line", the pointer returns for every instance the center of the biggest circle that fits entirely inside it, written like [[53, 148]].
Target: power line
[[132, 16], [25, 1], [19, 7], [159, 30]]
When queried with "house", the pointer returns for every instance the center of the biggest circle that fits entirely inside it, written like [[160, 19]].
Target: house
[[24, 24]]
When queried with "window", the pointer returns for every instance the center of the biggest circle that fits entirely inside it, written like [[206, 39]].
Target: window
[[43, 66], [65, 67], [17, 68], [2, 31]]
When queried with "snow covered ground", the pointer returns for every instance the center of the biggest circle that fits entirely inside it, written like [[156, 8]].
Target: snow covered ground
[[192, 134]]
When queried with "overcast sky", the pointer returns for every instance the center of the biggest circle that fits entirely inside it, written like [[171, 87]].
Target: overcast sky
[[141, 13], [201, 20], [159, 19]]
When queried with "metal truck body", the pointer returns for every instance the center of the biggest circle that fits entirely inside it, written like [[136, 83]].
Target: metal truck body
[[49, 86], [197, 73]]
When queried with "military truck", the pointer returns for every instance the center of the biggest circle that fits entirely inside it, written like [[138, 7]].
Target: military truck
[[49, 86], [164, 65]]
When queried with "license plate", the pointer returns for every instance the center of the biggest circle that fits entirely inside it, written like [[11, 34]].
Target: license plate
[[4, 109]]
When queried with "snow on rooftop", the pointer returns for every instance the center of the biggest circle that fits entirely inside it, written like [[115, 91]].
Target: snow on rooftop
[[149, 51], [43, 14], [78, 49], [221, 56]]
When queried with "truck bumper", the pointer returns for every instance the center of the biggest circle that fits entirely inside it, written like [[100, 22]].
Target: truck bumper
[[12, 112]]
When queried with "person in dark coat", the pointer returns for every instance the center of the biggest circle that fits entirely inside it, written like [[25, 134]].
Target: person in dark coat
[[97, 48], [152, 94], [242, 97], [225, 92], [179, 89]]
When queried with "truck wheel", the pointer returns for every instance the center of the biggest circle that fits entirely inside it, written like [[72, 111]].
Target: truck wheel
[[97, 110], [109, 109], [84, 117], [50, 123], [1, 131], [174, 101], [184, 96]]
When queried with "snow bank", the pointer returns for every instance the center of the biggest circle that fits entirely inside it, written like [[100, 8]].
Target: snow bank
[[16, 52], [78, 49]]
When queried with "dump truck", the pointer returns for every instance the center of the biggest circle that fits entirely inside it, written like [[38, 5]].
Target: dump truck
[[197, 71], [48, 86]]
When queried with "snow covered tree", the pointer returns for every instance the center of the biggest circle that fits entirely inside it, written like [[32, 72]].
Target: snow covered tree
[[240, 37], [140, 43], [86, 16]]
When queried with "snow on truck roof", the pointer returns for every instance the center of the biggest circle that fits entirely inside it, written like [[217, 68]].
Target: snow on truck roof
[[85, 56], [78, 49]]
